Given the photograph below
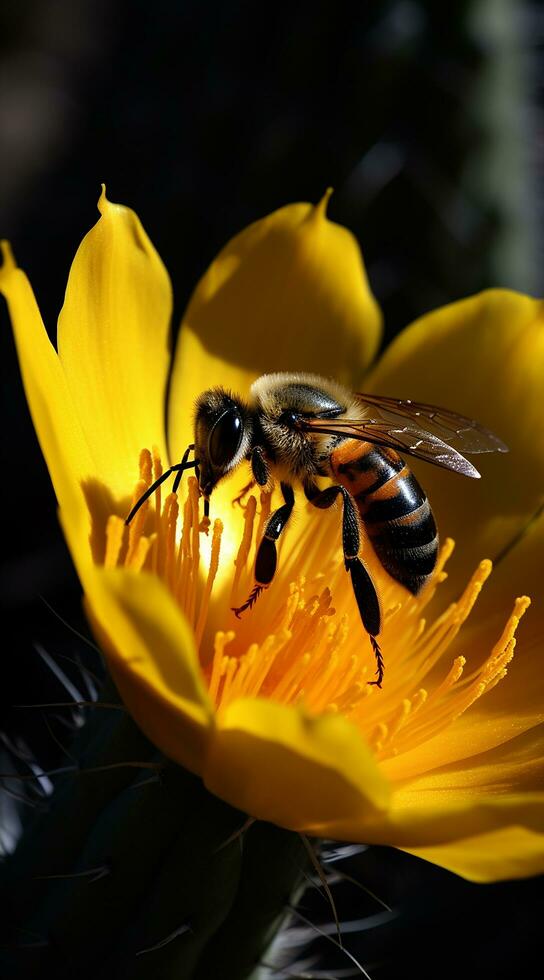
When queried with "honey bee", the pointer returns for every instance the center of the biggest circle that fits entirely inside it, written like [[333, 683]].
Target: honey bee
[[297, 427]]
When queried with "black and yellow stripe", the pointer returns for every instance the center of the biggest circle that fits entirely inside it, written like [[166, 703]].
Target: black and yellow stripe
[[393, 508]]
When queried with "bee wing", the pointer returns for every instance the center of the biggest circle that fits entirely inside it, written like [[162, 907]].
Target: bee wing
[[405, 437], [461, 433]]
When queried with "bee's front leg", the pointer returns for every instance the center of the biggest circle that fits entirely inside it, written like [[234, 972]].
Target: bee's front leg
[[239, 498], [261, 474], [259, 466], [267, 557]]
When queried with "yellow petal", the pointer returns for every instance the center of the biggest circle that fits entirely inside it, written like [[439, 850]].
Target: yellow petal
[[505, 854], [113, 342], [424, 819], [510, 766], [150, 650], [152, 659], [495, 797], [302, 772], [445, 825], [63, 444], [483, 357], [522, 565], [480, 730], [288, 293], [445, 828], [488, 796]]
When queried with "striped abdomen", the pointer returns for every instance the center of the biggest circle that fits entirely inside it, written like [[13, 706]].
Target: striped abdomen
[[393, 507]]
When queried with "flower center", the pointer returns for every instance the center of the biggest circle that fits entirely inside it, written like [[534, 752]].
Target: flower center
[[303, 643]]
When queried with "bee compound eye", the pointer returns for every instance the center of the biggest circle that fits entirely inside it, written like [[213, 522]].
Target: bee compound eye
[[225, 438]]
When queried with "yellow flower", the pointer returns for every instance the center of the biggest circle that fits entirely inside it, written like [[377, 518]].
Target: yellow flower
[[274, 711]]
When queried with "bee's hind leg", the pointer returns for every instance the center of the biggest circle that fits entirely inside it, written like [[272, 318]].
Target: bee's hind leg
[[362, 584], [267, 556]]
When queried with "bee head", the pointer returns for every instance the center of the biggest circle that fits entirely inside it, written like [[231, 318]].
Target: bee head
[[222, 436]]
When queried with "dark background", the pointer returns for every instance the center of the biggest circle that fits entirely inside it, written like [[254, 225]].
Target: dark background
[[203, 116]]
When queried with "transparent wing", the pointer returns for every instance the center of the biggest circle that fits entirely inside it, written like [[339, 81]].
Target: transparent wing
[[416, 429], [407, 439], [461, 433]]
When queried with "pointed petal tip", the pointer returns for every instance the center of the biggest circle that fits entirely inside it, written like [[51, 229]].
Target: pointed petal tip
[[104, 204], [118, 299], [319, 210], [8, 258]]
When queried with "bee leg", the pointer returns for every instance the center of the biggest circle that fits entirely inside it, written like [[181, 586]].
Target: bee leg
[[243, 493], [267, 557], [259, 466], [362, 584], [178, 469], [261, 474]]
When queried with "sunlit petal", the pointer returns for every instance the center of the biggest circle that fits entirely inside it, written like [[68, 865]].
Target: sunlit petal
[[113, 342], [62, 439], [514, 763], [504, 854], [482, 357], [288, 293], [300, 771], [150, 648]]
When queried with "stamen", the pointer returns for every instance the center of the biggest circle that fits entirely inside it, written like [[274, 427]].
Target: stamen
[[263, 661], [157, 472], [115, 530], [168, 557], [184, 554], [230, 669], [243, 666], [419, 700], [240, 561], [279, 690], [139, 555], [451, 678], [503, 651], [400, 717], [300, 646], [192, 584], [436, 639], [212, 572], [136, 527], [219, 661], [146, 467]]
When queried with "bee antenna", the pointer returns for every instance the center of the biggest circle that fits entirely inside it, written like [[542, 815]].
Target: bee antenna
[[178, 469]]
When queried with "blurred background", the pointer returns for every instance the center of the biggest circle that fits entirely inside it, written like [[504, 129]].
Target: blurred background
[[203, 116]]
